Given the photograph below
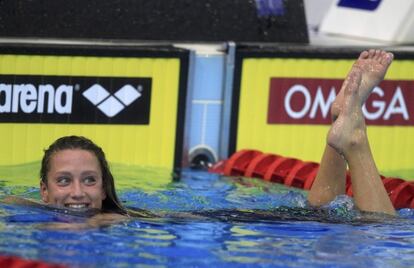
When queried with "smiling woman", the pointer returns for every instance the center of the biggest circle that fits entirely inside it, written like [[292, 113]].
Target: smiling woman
[[75, 174], [74, 181]]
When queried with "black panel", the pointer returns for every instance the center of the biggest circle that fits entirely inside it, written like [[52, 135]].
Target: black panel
[[63, 99], [179, 20]]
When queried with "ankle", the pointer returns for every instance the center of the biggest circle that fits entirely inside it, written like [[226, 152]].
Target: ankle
[[355, 142]]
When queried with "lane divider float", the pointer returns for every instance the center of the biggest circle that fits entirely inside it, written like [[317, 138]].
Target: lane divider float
[[17, 262], [294, 172]]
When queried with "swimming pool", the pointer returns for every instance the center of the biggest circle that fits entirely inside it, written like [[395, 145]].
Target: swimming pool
[[255, 235]]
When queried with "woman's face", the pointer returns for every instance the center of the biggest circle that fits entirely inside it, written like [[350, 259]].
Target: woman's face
[[74, 180]]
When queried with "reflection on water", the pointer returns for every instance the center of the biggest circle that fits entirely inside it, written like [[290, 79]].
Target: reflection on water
[[213, 221]]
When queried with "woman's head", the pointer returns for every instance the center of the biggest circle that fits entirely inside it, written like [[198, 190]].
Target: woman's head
[[75, 173]]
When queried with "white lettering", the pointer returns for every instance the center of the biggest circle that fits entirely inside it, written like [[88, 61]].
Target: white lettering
[[67, 107], [17, 89], [50, 91], [321, 103], [305, 109], [6, 89], [394, 109], [397, 106], [28, 99], [380, 105], [380, 108]]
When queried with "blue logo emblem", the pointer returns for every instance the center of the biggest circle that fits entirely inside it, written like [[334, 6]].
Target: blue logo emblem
[[360, 4], [266, 8]]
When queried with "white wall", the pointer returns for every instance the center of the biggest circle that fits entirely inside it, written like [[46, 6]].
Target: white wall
[[315, 10]]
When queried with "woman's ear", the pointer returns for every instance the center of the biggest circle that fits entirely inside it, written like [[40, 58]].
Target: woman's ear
[[44, 193]]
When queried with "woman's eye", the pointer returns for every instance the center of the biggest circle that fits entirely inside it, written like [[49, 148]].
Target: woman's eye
[[89, 180], [63, 180]]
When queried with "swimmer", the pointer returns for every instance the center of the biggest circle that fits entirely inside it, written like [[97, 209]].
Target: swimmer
[[347, 141], [75, 176], [75, 179]]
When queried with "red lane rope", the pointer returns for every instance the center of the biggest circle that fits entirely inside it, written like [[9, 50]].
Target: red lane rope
[[17, 262], [297, 173]]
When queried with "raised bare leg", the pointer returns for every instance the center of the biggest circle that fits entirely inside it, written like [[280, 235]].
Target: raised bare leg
[[330, 180], [349, 138]]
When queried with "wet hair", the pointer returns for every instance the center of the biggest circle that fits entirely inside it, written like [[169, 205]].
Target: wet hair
[[111, 203]]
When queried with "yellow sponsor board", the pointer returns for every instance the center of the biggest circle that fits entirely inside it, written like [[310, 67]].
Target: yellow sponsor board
[[392, 143], [149, 143]]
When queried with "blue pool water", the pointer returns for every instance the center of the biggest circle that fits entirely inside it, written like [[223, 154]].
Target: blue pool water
[[252, 223]]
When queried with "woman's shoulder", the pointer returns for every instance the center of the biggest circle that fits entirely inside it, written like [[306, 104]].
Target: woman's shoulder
[[17, 200]]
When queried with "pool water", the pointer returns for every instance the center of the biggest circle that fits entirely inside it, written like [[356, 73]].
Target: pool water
[[246, 222]]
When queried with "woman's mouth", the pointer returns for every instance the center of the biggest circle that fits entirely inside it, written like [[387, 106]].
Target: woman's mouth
[[77, 205]]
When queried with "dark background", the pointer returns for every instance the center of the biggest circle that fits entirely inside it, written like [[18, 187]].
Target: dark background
[[156, 20]]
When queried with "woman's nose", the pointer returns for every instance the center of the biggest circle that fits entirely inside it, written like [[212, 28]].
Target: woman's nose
[[77, 190]]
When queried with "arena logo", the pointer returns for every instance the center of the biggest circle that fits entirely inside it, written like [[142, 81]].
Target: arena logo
[[109, 104], [62, 99], [27, 98], [308, 101]]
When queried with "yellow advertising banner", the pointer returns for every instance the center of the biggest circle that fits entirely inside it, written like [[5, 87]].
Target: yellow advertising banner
[[284, 109], [129, 105]]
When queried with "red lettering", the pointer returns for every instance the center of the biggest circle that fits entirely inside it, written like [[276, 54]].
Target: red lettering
[[308, 101]]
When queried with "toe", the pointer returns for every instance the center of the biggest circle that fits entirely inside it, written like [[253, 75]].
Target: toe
[[387, 58], [371, 53], [364, 54], [377, 54]]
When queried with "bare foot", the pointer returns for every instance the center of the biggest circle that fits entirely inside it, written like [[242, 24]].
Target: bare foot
[[349, 130], [373, 65]]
